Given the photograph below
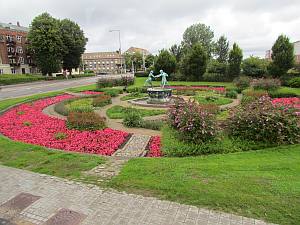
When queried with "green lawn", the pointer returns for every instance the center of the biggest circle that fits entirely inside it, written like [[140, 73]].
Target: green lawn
[[83, 88], [134, 95], [261, 184], [118, 112], [6, 79], [45, 161], [211, 98], [139, 82]]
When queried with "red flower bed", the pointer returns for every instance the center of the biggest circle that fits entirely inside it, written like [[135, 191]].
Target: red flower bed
[[27, 123], [154, 147], [91, 92], [288, 102], [208, 88]]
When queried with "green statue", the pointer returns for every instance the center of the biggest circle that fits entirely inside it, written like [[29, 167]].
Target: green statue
[[151, 77], [163, 76]]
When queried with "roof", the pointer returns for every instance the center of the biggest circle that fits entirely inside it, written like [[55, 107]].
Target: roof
[[9, 26], [101, 55], [136, 49]]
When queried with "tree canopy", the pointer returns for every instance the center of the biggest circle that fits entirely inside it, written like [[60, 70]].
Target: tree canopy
[[255, 66], [235, 60], [165, 61], [222, 49]]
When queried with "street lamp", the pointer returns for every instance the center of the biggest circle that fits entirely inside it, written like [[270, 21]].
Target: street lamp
[[120, 50]]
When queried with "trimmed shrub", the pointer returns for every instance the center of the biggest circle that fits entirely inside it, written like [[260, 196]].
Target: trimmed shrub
[[80, 105], [283, 93], [214, 77], [101, 100], [261, 121], [242, 83], [152, 124], [141, 74], [231, 94], [294, 82], [113, 82], [113, 92], [267, 84], [252, 95], [194, 123], [132, 118], [85, 121]]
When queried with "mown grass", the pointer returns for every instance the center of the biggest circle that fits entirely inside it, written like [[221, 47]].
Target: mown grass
[[45, 161], [134, 95], [211, 98], [261, 184], [118, 112]]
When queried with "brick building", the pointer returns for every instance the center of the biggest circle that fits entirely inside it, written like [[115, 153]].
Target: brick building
[[14, 58], [296, 51], [103, 62]]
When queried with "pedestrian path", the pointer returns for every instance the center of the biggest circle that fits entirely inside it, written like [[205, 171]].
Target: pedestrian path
[[28, 198]]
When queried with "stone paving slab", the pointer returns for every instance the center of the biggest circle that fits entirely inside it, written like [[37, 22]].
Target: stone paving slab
[[102, 207]]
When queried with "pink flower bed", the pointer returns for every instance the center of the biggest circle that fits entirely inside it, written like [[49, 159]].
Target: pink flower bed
[[27, 123], [154, 147], [289, 103], [91, 92], [218, 89]]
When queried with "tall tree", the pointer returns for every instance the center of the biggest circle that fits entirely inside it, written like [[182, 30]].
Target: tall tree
[[235, 60], [176, 50], [255, 66], [149, 61], [74, 43], [46, 43], [222, 49], [199, 33], [283, 57], [165, 61], [194, 63]]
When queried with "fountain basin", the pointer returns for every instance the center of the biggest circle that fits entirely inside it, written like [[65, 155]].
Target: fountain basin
[[159, 95]]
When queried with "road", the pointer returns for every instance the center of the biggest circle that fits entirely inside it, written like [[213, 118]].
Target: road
[[13, 91]]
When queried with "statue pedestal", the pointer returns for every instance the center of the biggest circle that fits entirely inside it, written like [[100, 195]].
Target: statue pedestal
[[159, 95]]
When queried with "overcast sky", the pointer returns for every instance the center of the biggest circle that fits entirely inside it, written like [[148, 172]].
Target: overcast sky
[[158, 24]]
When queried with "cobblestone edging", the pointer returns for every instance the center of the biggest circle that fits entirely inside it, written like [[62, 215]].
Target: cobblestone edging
[[99, 206]]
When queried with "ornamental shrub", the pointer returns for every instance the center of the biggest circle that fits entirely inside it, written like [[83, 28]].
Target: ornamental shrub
[[263, 122], [60, 136], [231, 94], [194, 123], [132, 118], [113, 82], [101, 100], [242, 83], [294, 82], [85, 121], [267, 84], [252, 95]]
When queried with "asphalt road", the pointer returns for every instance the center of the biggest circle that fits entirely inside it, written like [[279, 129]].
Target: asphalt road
[[13, 91]]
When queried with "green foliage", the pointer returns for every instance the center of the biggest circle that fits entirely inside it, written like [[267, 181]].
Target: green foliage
[[211, 98], [141, 74], [152, 124], [255, 67], [7, 79], [85, 121], [74, 42], [199, 34], [267, 84], [166, 62], [112, 92], [284, 93], [221, 50], [79, 105], [133, 95], [214, 77], [46, 42], [149, 61], [251, 95], [27, 123], [194, 63], [132, 118], [193, 123], [176, 50], [60, 136], [101, 100], [235, 60], [231, 94], [242, 83], [294, 82], [282, 56], [113, 82], [215, 66], [135, 59], [261, 121]]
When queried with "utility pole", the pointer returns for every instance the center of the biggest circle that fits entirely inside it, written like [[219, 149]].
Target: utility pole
[[120, 48]]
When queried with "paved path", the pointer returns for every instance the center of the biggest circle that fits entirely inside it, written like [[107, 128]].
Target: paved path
[[28, 198], [12, 91]]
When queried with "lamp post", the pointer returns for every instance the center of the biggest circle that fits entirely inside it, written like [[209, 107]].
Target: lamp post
[[120, 50]]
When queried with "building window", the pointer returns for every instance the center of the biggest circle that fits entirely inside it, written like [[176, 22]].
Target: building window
[[19, 38], [13, 71], [21, 60], [1, 71], [19, 49], [10, 49]]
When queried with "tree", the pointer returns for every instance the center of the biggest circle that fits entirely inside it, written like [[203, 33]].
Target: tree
[[194, 63], [149, 61], [199, 33], [235, 60], [176, 50], [214, 66], [255, 66], [135, 60], [46, 43], [222, 49], [74, 42], [283, 57], [166, 62]]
